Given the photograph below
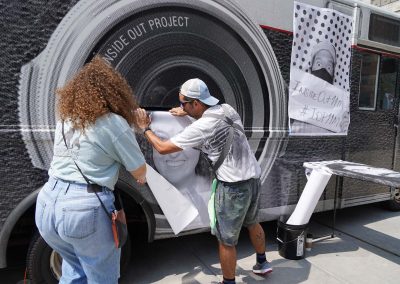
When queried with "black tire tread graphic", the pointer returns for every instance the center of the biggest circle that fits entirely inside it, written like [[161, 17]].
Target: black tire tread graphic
[[38, 260], [126, 253], [228, 49], [393, 205]]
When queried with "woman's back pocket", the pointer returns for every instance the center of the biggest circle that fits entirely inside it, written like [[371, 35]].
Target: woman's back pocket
[[79, 223]]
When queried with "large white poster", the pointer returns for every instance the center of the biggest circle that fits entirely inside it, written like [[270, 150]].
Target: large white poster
[[319, 92], [181, 181]]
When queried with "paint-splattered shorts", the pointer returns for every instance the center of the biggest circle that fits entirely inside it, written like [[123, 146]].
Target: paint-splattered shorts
[[236, 205]]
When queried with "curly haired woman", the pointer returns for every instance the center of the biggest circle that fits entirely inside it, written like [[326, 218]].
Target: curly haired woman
[[97, 110]]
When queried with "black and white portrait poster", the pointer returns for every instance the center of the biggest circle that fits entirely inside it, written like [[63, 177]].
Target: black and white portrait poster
[[319, 92]]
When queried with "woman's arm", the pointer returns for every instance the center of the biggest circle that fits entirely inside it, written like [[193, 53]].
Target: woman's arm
[[140, 174]]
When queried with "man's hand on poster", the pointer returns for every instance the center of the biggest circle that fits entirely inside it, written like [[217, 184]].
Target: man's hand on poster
[[162, 146], [177, 111], [143, 119]]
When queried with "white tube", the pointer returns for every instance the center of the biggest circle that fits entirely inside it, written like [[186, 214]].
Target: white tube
[[309, 198]]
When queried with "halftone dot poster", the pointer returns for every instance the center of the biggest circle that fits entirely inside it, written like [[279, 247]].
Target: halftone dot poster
[[319, 92]]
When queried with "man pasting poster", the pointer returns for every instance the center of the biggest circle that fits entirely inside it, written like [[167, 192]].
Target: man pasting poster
[[319, 94]]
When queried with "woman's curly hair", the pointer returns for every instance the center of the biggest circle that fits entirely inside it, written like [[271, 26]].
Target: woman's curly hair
[[95, 90]]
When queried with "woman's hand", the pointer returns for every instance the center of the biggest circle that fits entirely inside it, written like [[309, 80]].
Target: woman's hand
[[143, 119], [177, 111], [141, 181], [140, 174]]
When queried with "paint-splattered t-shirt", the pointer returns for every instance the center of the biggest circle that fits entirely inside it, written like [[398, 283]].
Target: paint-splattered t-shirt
[[209, 134]]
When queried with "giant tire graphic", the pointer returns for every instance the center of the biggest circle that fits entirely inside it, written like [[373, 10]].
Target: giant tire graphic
[[157, 45], [44, 264]]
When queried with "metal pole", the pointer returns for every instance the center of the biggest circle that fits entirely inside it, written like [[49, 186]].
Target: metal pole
[[338, 181]]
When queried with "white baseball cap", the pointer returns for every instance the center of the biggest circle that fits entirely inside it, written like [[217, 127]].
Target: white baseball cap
[[197, 89]]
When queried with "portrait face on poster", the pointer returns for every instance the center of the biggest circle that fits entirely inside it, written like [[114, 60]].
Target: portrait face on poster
[[178, 166], [186, 170], [319, 90]]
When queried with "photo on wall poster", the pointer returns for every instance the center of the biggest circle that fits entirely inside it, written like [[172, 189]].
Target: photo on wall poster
[[319, 91]]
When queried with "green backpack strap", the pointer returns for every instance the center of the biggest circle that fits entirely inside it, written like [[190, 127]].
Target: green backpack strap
[[211, 206]]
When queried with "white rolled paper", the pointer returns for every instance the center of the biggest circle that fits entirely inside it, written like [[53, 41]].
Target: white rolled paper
[[316, 184]]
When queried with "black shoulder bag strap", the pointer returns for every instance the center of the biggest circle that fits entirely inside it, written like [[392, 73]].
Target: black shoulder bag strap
[[91, 185], [229, 139]]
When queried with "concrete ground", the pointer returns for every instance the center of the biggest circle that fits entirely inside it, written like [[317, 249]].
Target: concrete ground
[[366, 249]]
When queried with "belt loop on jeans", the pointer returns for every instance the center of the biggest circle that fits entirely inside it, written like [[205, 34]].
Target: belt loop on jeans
[[54, 185], [66, 190]]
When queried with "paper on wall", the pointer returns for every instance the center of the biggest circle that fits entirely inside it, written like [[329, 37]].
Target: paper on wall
[[178, 210], [318, 103], [319, 93]]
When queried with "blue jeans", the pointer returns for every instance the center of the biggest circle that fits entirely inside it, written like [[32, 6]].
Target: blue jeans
[[72, 222]]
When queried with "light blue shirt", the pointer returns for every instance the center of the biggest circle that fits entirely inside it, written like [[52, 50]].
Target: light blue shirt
[[99, 151]]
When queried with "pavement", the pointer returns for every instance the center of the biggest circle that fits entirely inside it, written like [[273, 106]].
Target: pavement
[[365, 249]]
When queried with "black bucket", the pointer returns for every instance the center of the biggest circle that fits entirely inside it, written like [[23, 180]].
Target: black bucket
[[291, 240]]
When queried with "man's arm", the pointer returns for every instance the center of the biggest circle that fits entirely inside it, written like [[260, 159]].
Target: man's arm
[[163, 147]]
